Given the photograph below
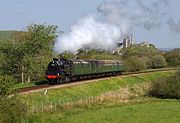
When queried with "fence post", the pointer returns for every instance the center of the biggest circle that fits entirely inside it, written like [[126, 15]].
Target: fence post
[[37, 107], [42, 107], [51, 106], [27, 103], [31, 108], [55, 105], [58, 103]]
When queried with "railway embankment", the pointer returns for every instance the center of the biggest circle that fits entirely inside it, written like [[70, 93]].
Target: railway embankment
[[39, 86], [114, 99], [90, 89]]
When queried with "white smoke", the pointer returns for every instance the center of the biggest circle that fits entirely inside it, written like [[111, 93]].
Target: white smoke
[[117, 13], [115, 19], [89, 32], [130, 14], [174, 26], [101, 31]]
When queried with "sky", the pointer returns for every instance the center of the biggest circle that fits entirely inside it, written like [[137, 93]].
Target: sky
[[17, 14]]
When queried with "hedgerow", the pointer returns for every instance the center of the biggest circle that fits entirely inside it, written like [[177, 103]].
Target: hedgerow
[[168, 87]]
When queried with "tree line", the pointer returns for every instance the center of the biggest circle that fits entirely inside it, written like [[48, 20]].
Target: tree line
[[137, 57], [23, 58], [26, 54]]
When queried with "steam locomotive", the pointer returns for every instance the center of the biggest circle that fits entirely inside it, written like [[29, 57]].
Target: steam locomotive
[[65, 70]]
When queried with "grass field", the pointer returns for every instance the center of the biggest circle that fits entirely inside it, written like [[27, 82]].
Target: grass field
[[139, 109], [159, 112], [151, 111], [31, 84]]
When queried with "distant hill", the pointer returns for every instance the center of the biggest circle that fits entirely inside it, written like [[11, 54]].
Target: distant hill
[[6, 34], [166, 49]]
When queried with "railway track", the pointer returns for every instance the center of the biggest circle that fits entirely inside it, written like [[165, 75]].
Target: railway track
[[45, 87]]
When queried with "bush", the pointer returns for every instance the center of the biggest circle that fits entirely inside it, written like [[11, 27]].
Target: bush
[[148, 61], [97, 54], [12, 110], [6, 83], [67, 55], [140, 51], [134, 64], [167, 87], [158, 61], [173, 57]]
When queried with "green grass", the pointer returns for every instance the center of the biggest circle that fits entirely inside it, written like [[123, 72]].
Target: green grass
[[158, 111], [90, 89], [136, 110], [31, 84], [20, 85]]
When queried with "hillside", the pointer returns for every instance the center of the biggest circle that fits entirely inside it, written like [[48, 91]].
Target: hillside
[[6, 34]]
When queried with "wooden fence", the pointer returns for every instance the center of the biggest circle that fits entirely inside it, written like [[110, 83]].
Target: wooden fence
[[124, 95]]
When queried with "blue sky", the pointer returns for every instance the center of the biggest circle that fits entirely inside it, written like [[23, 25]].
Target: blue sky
[[17, 14]]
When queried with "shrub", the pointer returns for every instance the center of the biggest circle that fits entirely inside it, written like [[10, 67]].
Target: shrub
[[134, 64], [173, 57], [97, 54], [138, 50], [67, 55], [6, 83], [148, 61], [158, 61], [12, 110], [167, 87]]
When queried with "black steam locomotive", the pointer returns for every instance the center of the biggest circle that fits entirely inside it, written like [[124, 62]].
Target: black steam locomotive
[[64, 70]]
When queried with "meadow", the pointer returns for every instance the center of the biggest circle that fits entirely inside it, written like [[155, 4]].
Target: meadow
[[120, 99], [91, 89], [148, 111]]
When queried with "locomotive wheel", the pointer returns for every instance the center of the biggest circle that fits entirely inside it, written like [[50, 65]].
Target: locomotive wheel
[[60, 81], [51, 82], [66, 79]]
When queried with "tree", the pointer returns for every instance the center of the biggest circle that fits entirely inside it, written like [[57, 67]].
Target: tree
[[140, 51], [168, 87], [158, 61], [173, 57], [134, 63], [96, 54], [67, 55], [30, 51], [148, 61], [2, 60], [42, 38]]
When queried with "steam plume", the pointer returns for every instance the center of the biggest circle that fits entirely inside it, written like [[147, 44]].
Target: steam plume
[[114, 20], [174, 26], [89, 32]]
